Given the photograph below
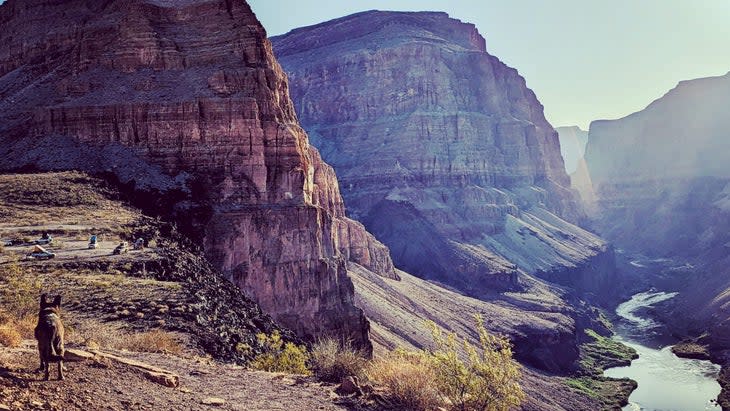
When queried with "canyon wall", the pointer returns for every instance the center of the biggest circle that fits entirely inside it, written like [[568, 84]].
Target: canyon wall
[[662, 188], [573, 142], [441, 150], [184, 101]]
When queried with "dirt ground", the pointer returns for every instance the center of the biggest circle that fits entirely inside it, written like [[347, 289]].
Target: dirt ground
[[108, 385]]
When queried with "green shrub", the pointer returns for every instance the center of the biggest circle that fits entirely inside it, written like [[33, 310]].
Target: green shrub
[[279, 356], [333, 361], [486, 378]]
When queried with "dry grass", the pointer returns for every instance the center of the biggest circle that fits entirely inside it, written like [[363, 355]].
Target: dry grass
[[333, 361], [9, 336], [408, 379], [19, 293], [156, 341], [33, 200], [95, 335]]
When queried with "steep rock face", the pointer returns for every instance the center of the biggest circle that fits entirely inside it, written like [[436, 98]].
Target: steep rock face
[[185, 99], [573, 142], [662, 187], [442, 151], [660, 172]]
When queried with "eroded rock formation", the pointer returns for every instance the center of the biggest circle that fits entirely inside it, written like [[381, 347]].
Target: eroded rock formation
[[441, 150], [185, 99]]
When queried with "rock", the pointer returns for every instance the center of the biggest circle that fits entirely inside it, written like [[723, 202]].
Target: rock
[[206, 135], [441, 151], [215, 401], [349, 386], [168, 380], [73, 354], [573, 142]]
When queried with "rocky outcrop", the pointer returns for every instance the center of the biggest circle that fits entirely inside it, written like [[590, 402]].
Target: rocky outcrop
[[441, 149], [185, 101], [573, 142]]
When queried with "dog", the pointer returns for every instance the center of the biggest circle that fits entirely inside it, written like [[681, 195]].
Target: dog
[[49, 333]]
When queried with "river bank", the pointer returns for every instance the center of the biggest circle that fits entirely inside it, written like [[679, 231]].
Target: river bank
[[665, 381]]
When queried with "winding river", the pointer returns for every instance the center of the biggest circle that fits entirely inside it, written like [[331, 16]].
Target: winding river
[[666, 382]]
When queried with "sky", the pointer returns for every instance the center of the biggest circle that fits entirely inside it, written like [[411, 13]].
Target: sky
[[585, 59]]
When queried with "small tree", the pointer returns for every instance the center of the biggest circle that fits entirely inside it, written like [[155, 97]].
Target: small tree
[[483, 378]]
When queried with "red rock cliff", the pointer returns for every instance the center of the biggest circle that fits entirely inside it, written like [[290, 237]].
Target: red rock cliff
[[170, 94]]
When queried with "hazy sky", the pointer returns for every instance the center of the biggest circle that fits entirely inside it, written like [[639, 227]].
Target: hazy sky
[[585, 59]]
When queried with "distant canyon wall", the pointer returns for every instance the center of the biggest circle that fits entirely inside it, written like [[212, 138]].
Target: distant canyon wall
[[441, 149], [661, 186]]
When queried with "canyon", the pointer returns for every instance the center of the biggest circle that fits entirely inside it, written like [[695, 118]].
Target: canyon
[[437, 148], [442, 152], [185, 105], [660, 187], [573, 142]]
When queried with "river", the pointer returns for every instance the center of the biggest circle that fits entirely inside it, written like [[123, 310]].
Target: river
[[666, 382]]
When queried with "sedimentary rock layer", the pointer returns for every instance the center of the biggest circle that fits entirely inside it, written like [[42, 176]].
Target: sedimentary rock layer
[[185, 100], [441, 149]]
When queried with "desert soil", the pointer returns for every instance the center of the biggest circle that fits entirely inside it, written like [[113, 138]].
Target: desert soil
[[108, 385]]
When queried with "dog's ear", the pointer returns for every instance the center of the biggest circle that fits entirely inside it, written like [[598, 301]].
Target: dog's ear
[[43, 300], [57, 301]]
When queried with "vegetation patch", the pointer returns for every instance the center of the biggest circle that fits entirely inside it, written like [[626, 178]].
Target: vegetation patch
[[332, 360], [455, 375], [280, 356], [603, 352], [19, 294], [612, 393], [597, 354]]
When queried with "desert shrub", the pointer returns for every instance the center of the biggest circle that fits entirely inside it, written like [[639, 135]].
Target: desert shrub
[[484, 378], [157, 341], [455, 375], [331, 360], [280, 356], [9, 335], [408, 378]]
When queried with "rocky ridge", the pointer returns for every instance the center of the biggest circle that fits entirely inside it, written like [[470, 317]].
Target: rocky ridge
[[184, 102]]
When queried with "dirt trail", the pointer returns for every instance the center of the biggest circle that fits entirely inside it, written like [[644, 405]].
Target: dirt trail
[[107, 385]]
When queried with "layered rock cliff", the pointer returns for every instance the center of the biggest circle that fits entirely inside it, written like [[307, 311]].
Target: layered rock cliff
[[441, 150], [662, 188], [183, 101]]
